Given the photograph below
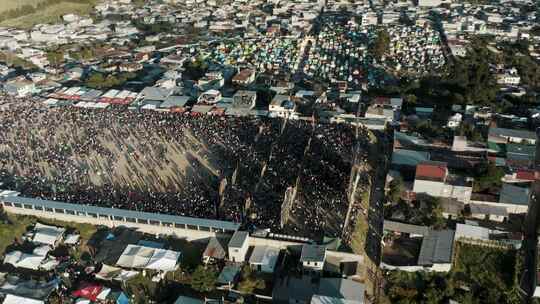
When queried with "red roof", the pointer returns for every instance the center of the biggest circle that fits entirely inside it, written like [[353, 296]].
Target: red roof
[[431, 171], [525, 175]]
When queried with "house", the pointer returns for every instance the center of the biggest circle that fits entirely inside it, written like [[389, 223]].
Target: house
[[264, 258], [478, 235], [313, 257], [210, 97], [155, 94], [238, 246], [244, 100], [228, 275], [20, 88], [282, 106], [436, 250], [173, 102], [244, 77], [338, 290], [508, 77], [188, 300], [432, 178], [215, 251], [382, 112], [504, 136], [292, 290], [408, 158], [512, 194]]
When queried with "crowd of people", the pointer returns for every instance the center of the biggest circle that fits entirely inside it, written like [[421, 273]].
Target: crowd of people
[[212, 167]]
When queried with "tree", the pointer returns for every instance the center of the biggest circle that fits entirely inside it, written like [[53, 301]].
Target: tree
[[203, 280], [381, 44], [396, 188], [249, 282], [55, 57], [488, 177]]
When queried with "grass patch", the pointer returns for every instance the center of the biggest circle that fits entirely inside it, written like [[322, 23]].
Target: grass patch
[[14, 226], [358, 240], [11, 228], [6, 5], [51, 14]]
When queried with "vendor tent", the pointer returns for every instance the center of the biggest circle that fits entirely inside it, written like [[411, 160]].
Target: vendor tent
[[12, 299], [135, 256], [49, 235]]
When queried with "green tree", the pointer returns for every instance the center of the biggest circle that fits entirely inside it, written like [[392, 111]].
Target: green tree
[[55, 57], [249, 282], [203, 279], [381, 44], [396, 188], [488, 178]]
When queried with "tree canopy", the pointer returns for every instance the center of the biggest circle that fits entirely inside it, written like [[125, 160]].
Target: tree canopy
[[203, 279]]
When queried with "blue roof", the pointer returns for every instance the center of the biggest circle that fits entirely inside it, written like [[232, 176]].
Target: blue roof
[[408, 157], [174, 219], [516, 195]]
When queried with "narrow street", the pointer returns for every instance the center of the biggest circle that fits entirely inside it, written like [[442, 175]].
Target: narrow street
[[528, 280]]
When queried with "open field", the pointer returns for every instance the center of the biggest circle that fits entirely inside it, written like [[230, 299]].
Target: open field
[[50, 14], [6, 5]]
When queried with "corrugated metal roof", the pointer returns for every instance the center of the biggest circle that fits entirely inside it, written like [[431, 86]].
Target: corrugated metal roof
[[431, 170], [238, 239], [174, 219], [409, 157], [405, 228], [511, 194], [313, 253], [503, 132], [436, 247]]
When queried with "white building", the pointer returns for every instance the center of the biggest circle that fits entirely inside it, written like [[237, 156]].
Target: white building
[[313, 257], [238, 246], [264, 258]]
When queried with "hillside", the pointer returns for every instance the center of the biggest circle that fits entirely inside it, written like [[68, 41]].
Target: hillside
[[27, 13]]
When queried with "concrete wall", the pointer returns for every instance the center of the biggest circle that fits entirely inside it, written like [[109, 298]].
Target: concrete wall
[[188, 234]]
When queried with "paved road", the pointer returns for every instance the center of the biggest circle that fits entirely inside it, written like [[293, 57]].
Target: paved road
[[529, 246]]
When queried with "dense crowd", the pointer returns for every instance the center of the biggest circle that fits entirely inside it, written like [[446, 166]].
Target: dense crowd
[[213, 167]]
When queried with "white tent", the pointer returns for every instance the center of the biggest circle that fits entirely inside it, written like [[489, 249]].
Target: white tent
[[23, 260], [135, 256], [49, 235], [164, 260], [12, 299], [115, 273]]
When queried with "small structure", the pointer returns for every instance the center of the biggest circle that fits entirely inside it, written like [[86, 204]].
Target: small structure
[[244, 77], [135, 256], [313, 257], [48, 235], [238, 246], [228, 276], [244, 99], [436, 250], [13, 299], [215, 251], [210, 97], [264, 258]]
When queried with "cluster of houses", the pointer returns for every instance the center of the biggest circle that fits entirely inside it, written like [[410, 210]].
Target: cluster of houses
[[434, 250], [292, 268], [440, 171]]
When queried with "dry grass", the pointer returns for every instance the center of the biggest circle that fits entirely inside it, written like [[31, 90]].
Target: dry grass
[[6, 5], [50, 14]]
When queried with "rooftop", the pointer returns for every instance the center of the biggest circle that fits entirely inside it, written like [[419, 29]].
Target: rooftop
[[313, 253]]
